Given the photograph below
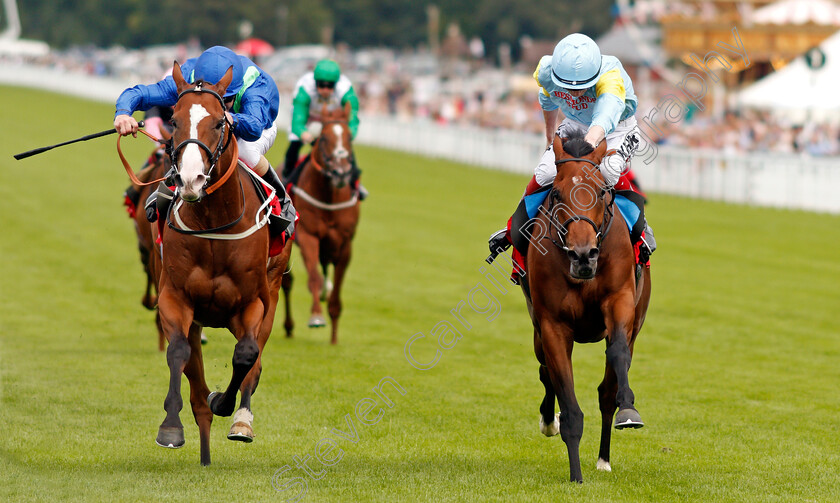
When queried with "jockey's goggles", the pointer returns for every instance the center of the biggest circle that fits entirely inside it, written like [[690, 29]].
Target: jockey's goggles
[[325, 83]]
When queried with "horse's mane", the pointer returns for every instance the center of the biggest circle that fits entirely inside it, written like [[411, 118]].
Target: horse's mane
[[576, 146]]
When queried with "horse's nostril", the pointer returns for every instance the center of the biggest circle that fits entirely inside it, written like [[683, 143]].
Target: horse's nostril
[[593, 253], [572, 255], [178, 180]]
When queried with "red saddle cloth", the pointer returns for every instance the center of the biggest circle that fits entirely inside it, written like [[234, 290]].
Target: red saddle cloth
[[276, 243]]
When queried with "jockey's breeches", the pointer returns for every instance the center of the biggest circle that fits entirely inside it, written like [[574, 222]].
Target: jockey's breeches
[[250, 151], [612, 166]]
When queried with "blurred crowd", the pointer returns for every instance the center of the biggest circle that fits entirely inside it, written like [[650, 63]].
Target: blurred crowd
[[415, 85], [753, 131]]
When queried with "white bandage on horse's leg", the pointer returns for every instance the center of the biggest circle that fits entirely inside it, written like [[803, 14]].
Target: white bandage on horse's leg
[[243, 415]]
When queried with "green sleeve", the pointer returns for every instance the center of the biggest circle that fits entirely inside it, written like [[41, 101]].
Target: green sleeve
[[354, 110], [300, 112]]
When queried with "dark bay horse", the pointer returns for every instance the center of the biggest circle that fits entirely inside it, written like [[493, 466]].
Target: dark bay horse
[[581, 287], [158, 167], [213, 266], [329, 212]]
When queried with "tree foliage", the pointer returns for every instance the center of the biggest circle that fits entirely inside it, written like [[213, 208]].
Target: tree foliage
[[359, 23]]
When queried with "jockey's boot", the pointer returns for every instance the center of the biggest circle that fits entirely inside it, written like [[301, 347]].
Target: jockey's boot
[[284, 222], [158, 202], [132, 195], [646, 248], [354, 180], [499, 242]]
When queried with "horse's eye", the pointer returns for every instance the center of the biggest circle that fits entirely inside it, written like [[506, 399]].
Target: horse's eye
[[173, 124], [220, 124]]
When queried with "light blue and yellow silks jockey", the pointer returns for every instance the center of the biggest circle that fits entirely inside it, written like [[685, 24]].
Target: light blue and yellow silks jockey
[[608, 102]]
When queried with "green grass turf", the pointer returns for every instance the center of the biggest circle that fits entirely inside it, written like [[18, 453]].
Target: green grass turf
[[735, 372]]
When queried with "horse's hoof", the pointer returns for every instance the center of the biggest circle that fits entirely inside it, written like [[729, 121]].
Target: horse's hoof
[[628, 418], [210, 398], [549, 430], [203, 338], [171, 437], [241, 432], [317, 321]]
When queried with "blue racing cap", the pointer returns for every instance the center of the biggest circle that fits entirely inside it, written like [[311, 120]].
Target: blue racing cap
[[212, 65]]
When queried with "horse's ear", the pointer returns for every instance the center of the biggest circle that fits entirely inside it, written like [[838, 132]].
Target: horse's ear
[[222, 85], [165, 135], [324, 111], [559, 152], [601, 150], [347, 110], [178, 77]]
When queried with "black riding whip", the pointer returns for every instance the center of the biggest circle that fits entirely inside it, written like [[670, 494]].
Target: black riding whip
[[36, 151]]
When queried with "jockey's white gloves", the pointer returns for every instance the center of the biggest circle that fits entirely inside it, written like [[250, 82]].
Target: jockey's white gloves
[[315, 129], [125, 124], [595, 135]]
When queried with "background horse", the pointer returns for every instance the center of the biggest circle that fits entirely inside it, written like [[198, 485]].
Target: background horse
[[160, 164], [213, 267], [329, 212], [581, 287]]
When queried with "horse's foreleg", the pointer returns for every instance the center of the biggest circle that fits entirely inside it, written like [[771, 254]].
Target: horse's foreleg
[[549, 423], [334, 306], [242, 429], [245, 354], [557, 342], [309, 250], [619, 329], [289, 322], [194, 370], [607, 404], [175, 320]]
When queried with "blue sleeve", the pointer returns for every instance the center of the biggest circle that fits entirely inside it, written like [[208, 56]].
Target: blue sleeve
[[547, 103], [259, 106], [607, 112], [143, 97]]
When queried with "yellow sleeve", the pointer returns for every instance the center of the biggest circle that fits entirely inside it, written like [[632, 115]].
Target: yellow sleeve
[[610, 82], [537, 78]]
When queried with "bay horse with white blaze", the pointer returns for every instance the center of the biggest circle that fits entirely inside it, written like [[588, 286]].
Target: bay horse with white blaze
[[581, 287], [213, 266], [329, 212]]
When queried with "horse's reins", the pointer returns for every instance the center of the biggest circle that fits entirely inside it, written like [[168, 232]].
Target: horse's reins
[[127, 166], [173, 152], [562, 229]]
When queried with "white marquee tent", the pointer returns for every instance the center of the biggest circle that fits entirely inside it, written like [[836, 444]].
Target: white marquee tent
[[823, 12], [799, 92]]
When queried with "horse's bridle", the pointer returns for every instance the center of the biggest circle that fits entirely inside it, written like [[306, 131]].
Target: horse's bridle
[[221, 147], [563, 229], [214, 155], [326, 167]]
